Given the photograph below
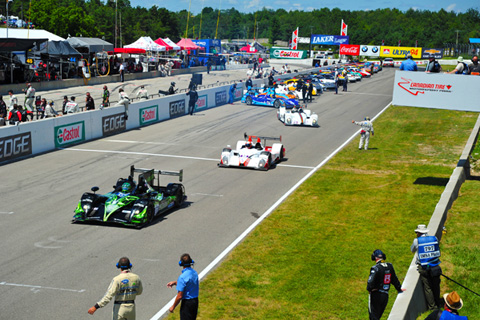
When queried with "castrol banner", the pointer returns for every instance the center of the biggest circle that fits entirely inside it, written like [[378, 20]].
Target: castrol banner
[[148, 115], [350, 49], [277, 53], [369, 51], [69, 134], [436, 90], [400, 52]]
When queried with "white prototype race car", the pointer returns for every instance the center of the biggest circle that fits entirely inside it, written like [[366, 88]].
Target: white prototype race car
[[297, 117], [253, 155]]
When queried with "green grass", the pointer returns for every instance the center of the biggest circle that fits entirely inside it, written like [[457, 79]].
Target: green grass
[[311, 258]]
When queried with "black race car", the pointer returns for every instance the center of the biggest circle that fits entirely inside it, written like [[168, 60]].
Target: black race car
[[131, 203]]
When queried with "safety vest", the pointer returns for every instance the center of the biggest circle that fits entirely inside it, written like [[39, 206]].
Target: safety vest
[[450, 316], [428, 251]]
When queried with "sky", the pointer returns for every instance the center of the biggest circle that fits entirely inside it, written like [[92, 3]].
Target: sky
[[306, 5]]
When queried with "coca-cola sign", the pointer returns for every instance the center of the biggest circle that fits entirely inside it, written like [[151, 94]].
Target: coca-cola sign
[[350, 49]]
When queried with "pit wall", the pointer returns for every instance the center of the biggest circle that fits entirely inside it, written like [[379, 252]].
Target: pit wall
[[411, 303]]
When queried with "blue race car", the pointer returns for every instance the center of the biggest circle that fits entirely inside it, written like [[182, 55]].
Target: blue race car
[[255, 97]]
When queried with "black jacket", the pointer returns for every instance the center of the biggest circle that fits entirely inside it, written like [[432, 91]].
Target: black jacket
[[381, 276]]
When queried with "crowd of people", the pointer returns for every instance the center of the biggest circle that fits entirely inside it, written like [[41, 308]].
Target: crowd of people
[[433, 66]]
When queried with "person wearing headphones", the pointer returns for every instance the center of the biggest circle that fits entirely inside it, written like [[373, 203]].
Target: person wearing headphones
[[382, 275], [367, 128], [171, 90], [125, 288], [188, 288]]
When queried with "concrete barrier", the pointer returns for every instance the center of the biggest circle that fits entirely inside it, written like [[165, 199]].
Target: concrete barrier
[[411, 303]]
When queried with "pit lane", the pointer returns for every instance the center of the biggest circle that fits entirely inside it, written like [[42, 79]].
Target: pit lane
[[54, 269]]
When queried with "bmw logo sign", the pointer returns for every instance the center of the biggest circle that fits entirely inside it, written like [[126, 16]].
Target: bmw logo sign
[[364, 49], [375, 49]]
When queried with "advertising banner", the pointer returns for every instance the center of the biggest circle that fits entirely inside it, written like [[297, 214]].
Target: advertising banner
[[15, 146], [436, 90], [220, 98], [202, 103], [349, 49], [277, 53], [148, 115], [329, 40], [369, 51], [400, 52], [432, 52], [177, 108], [237, 95], [70, 133], [113, 124]]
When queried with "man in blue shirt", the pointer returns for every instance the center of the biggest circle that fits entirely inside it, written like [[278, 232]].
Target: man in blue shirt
[[187, 287], [409, 64]]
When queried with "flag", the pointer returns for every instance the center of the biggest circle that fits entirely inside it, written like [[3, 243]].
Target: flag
[[343, 29], [295, 39]]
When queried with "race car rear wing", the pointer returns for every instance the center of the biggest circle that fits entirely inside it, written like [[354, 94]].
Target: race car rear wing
[[149, 174], [246, 136]]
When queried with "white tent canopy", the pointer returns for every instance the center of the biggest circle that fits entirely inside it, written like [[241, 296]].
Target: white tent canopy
[[146, 43], [29, 34], [171, 43]]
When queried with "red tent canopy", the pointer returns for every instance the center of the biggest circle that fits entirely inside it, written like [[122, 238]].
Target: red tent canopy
[[249, 49], [129, 50], [187, 44], [160, 41]]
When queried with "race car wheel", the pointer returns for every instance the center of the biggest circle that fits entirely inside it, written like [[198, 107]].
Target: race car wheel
[[179, 197], [248, 100], [277, 103], [314, 122], [282, 154]]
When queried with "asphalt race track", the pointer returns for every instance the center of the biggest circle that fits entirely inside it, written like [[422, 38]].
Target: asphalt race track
[[53, 269]]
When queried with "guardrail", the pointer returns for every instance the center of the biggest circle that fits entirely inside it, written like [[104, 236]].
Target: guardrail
[[411, 303]]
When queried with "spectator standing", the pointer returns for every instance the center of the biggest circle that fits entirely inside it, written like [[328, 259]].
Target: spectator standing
[[453, 303], [29, 97], [304, 90], [89, 102], [3, 108], [169, 67], [474, 67], [427, 252], [433, 66], [142, 93], [122, 72], [409, 64], [13, 100], [310, 91], [41, 108], [209, 65], [382, 275], [270, 79], [337, 80], [124, 100], [367, 128], [187, 289], [64, 104], [105, 98], [461, 67], [345, 79], [192, 93], [72, 106], [125, 288], [249, 83], [50, 111]]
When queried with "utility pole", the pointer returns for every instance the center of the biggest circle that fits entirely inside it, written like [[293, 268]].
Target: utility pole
[[456, 43], [115, 24], [311, 32]]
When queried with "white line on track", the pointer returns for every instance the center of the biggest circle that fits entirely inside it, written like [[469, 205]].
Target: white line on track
[[370, 94], [167, 156], [155, 143], [6, 212], [206, 194], [222, 255], [39, 287]]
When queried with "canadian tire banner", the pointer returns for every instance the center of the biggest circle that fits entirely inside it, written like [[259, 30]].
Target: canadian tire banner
[[436, 90], [350, 49], [343, 29], [295, 39]]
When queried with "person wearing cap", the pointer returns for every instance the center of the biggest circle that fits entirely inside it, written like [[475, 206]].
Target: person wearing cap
[[382, 275], [409, 64], [142, 93], [29, 97], [105, 98], [187, 289], [461, 67], [367, 128], [125, 288], [123, 100], [474, 67], [453, 303], [50, 111], [427, 251], [89, 102], [433, 66], [192, 93]]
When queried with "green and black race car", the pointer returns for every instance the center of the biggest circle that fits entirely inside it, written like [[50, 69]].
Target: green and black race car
[[131, 203]]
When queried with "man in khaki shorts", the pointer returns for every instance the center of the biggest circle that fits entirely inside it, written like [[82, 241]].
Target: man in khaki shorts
[[124, 287]]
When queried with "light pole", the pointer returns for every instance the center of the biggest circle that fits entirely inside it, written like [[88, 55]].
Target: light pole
[[8, 1], [311, 32]]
